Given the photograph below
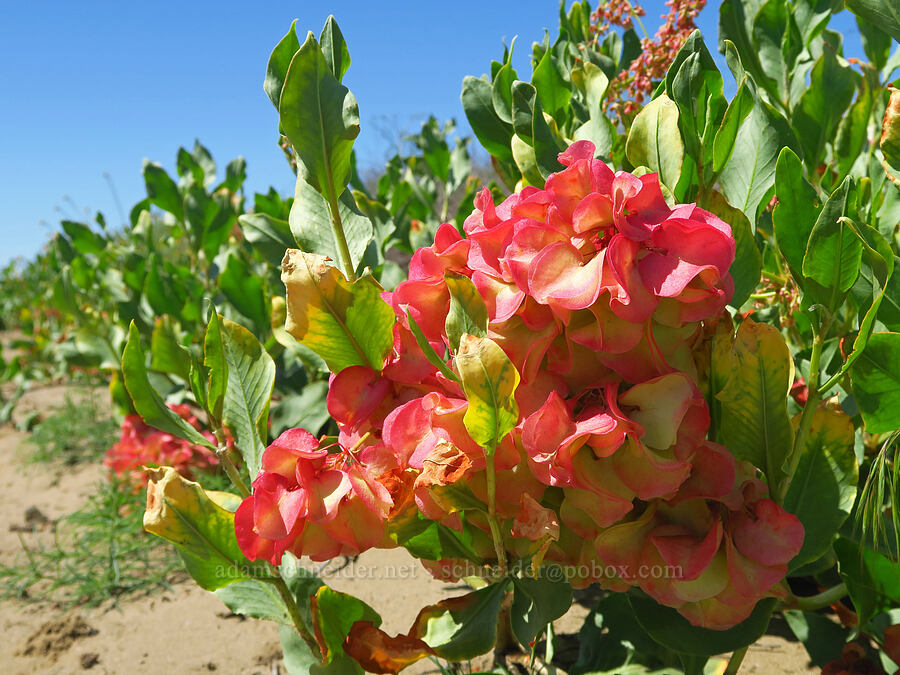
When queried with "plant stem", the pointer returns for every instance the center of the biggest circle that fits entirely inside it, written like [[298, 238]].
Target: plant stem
[[824, 599], [337, 226], [491, 478], [294, 611], [230, 468], [734, 663], [808, 410], [232, 471]]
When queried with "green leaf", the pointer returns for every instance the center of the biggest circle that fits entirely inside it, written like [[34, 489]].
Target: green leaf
[[270, 236], [755, 423], [873, 580], [598, 129], [877, 271], [876, 43], [489, 380], [346, 324], [823, 488], [235, 175], [468, 313], [769, 26], [531, 126], [162, 190], [163, 292], [311, 224], [84, 239], [206, 163], [179, 511], [334, 614], [537, 602], [277, 68], [492, 132], [832, 85], [695, 84], [735, 114], [217, 369], [251, 376], [747, 265], [655, 140], [553, 91], [823, 638], [245, 291], [334, 48], [298, 657], [749, 173], [736, 26], [167, 354], [795, 213], [429, 540], [834, 253], [149, 404], [882, 13], [462, 627], [876, 383], [611, 637], [852, 132], [320, 117], [501, 92], [672, 630], [260, 600], [306, 410]]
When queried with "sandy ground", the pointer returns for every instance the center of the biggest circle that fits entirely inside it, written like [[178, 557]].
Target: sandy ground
[[189, 630]]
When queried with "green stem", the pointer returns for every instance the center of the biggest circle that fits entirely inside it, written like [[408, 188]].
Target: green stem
[[734, 663], [492, 514], [228, 464], [338, 226], [291, 603], [824, 599], [812, 402], [232, 471]]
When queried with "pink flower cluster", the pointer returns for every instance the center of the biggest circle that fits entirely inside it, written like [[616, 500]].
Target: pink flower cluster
[[615, 13], [596, 290], [628, 91], [142, 445]]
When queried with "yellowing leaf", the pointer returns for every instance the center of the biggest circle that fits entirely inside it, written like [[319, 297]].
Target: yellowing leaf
[[755, 423], [489, 380], [179, 511], [890, 131], [468, 313], [347, 324]]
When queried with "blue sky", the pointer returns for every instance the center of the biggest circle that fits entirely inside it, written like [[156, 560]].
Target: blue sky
[[95, 87]]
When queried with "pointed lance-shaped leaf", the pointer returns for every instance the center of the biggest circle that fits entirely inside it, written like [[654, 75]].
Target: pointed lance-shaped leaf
[[276, 69], [147, 402], [251, 377], [320, 117]]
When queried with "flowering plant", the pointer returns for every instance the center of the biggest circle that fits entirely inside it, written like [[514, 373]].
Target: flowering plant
[[141, 446], [631, 370]]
